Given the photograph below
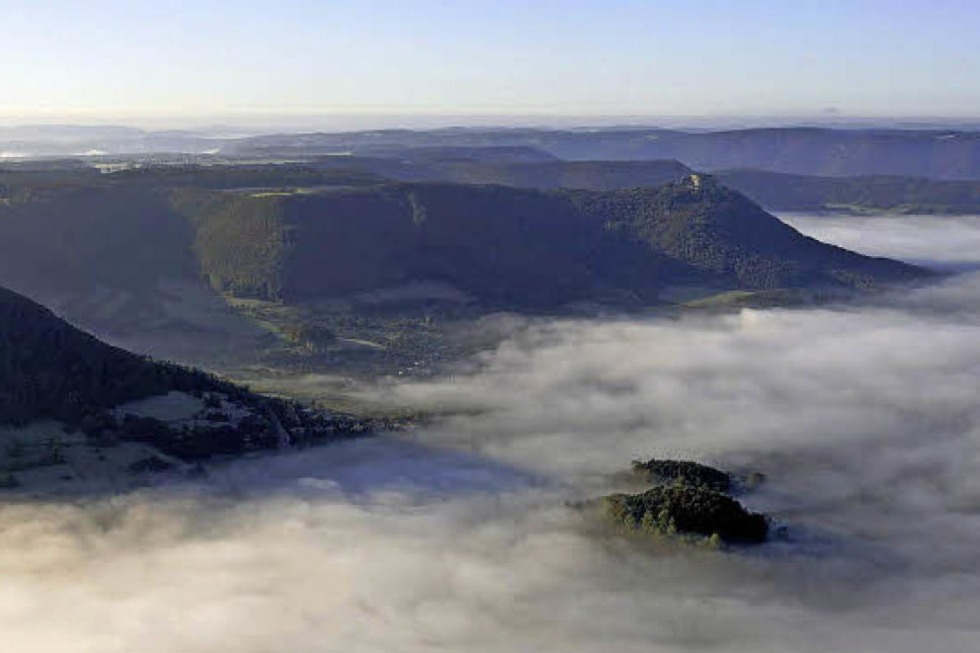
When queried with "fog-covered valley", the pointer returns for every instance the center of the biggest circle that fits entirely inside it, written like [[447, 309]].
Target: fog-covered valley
[[946, 243], [464, 533]]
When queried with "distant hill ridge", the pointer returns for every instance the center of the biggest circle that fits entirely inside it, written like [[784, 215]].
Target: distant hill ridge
[[773, 190], [144, 248], [509, 245], [934, 152], [786, 192], [943, 154]]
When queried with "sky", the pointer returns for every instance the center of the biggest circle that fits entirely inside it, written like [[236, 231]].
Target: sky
[[149, 59]]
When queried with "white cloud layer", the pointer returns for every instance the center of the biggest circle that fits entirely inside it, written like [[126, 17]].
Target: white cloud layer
[[943, 242]]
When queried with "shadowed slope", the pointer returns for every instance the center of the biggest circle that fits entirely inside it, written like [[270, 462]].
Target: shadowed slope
[[520, 247]]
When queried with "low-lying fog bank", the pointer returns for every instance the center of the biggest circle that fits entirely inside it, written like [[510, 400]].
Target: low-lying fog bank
[[865, 420], [939, 242]]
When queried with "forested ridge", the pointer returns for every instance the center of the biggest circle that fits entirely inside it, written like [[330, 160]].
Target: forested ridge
[[721, 233], [773, 190], [519, 247], [134, 232], [50, 369]]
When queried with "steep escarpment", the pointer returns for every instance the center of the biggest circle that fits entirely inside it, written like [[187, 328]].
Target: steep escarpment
[[495, 244], [150, 258], [726, 238], [118, 253], [522, 247]]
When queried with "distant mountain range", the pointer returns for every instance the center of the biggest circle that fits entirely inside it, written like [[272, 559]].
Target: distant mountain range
[[806, 151], [934, 153]]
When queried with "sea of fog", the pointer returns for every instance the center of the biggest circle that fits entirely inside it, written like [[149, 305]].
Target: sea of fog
[[948, 243], [463, 536]]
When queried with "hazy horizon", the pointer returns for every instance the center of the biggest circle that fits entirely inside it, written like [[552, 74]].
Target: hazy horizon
[[625, 58], [235, 125]]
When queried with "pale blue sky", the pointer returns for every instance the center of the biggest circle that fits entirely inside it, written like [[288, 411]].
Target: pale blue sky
[[203, 58]]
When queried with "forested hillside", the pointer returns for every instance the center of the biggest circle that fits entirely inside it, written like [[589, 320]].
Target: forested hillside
[[725, 237], [149, 252], [520, 246], [49, 369], [79, 230], [590, 175]]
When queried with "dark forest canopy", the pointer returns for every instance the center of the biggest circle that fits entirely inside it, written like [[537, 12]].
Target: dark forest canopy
[[513, 246], [50, 369]]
